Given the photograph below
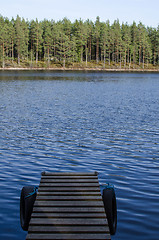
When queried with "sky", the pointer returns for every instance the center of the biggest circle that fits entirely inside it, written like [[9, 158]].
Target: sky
[[144, 11]]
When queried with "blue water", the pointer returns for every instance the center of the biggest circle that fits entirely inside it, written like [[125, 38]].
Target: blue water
[[82, 121]]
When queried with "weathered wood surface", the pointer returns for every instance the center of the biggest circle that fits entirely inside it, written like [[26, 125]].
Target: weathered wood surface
[[66, 229], [68, 215], [66, 189], [65, 174], [84, 203], [69, 209], [68, 206], [64, 198], [69, 180], [68, 184], [70, 236], [69, 221], [48, 192]]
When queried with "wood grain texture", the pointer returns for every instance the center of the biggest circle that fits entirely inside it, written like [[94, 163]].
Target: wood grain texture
[[69, 221], [72, 236], [66, 198], [67, 189], [68, 215], [67, 209], [69, 229], [69, 174]]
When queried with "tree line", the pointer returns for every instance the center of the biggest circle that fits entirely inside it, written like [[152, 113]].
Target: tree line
[[84, 42]]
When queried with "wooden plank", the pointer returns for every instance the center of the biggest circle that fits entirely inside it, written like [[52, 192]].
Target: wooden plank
[[96, 236], [68, 229], [50, 180], [67, 189], [52, 193], [68, 221], [71, 209], [68, 203], [68, 215], [71, 184], [72, 198], [69, 177], [69, 174]]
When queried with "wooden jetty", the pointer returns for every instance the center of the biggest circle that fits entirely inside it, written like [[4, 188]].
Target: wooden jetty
[[68, 206]]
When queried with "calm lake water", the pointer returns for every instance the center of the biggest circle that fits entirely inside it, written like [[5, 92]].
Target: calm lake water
[[82, 121]]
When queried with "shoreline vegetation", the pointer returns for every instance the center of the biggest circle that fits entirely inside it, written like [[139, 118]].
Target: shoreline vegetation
[[81, 45], [81, 69], [91, 66]]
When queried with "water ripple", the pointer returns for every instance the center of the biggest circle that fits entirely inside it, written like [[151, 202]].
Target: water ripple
[[73, 121]]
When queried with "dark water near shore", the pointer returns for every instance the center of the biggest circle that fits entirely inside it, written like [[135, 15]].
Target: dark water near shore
[[79, 121]]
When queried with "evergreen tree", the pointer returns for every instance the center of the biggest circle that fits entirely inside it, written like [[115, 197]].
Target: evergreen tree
[[157, 44], [47, 37], [12, 38], [36, 40], [80, 31], [134, 43], [144, 44], [68, 42], [126, 43], [80, 41], [90, 29], [73, 50], [153, 36], [97, 27], [104, 41], [63, 48], [54, 34], [3, 39], [117, 41], [21, 38]]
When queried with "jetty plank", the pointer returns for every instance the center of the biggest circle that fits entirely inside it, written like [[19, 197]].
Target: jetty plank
[[66, 189], [68, 203], [68, 193], [70, 180], [69, 209], [69, 221], [72, 198], [68, 215], [69, 174], [69, 177], [68, 184], [72, 236], [68, 229]]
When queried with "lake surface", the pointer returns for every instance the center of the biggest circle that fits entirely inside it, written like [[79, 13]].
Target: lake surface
[[82, 121]]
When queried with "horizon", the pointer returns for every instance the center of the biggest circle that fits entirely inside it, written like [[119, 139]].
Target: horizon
[[78, 19], [126, 12]]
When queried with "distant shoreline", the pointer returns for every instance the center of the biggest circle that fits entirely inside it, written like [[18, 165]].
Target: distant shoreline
[[82, 69]]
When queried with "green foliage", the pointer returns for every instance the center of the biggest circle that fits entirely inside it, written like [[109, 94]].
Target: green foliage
[[63, 43]]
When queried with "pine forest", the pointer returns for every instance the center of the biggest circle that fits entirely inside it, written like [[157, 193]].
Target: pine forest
[[86, 44]]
